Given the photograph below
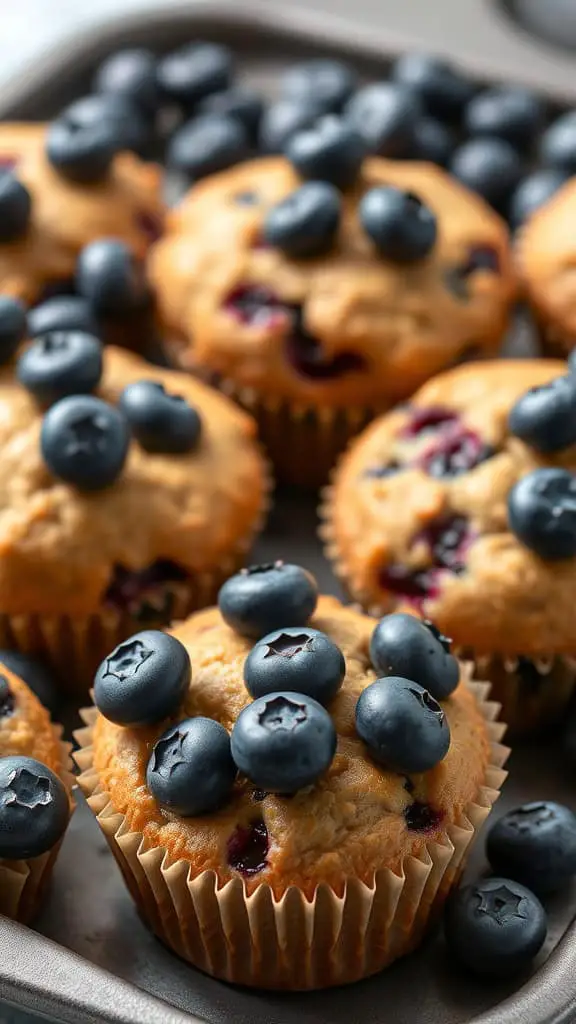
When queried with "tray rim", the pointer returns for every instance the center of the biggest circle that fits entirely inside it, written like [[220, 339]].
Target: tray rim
[[551, 991]]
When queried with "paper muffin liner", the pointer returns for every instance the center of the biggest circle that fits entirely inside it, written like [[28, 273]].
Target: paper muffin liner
[[293, 942], [24, 882]]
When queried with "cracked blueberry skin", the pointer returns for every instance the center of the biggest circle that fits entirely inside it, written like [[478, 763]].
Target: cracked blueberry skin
[[160, 421], [535, 845], [15, 207], [12, 326], [298, 659], [34, 808], [143, 680], [62, 313], [542, 513], [84, 441], [61, 363], [545, 417], [263, 598], [403, 646], [402, 725], [495, 927], [191, 771], [283, 742]]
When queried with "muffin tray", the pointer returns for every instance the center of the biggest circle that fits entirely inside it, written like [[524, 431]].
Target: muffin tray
[[90, 957]]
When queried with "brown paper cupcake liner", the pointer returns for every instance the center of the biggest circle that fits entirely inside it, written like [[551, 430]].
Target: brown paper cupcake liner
[[23, 882], [293, 942]]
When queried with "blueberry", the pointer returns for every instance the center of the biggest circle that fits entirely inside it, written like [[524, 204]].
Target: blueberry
[[263, 598], [545, 416], [84, 442], [143, 680], [401, 645], [332, 150], [34, 808], [536, 845], [495, 927], [79, 150], [15, 207], [34, 674], [208, 144], [442, 89], [283, 742], [328, 83], [558, 144], [245, 105], [432, 141], [110, 278], [491, 167], [61, 313], [160, 421], [194, 71], [282, 120], [402, 725], [61, 363], [191, 771], [542, 512], [127, 126], [507, 112], [294, 658], [7, 700], [305, 223], [385, 115], [533, 191], [131, 73], [402, 228], [12, 326]]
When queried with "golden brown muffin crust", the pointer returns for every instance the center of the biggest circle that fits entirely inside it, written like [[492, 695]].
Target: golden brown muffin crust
[[28, 731]]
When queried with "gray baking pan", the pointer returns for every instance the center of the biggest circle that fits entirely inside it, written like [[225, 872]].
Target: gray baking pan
[[90, 958]]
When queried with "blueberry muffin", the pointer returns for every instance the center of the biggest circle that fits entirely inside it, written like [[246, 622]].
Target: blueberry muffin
[[35, 784], [274, 791], [317, 304], [128, 494], [461, 506], [57, 198]]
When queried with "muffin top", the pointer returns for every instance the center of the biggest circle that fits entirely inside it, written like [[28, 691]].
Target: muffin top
[[349, 326], [61, 545], [546, 260], [354, 819], [65, 215], [462, 505], [25, 726]]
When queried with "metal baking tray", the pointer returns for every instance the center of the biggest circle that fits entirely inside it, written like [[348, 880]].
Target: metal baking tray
[[90, 958]]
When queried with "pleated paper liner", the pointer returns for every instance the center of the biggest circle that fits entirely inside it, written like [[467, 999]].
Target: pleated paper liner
[[303, 441], [293, 942], [23, 882]]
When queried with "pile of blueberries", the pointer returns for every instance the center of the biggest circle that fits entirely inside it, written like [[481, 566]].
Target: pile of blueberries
[[505, 142]]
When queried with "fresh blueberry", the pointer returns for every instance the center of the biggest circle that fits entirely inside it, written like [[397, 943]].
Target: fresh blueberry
[[15, 207], [491, 167], [402, 725], [403, 646], [110, 278], [61, 363], [402, 228], [191, 770], [245, 105], [542, 512], [328, 83], [506, 112], [558, 144], [34, 674], [536, 845], [208, 144], [283, 742], [194, 71], [495, 927], [332, 150], [281, 120], [263, 598], [441, 88], [127, 125], [160, 421], [533, 191], [61, 313], [432, 141], [385, 115], [294, 658], [84, 442], [545, 416], [305, 223], [79, 150], [143, 680], [131, 73], [12, 326], [34, 808]]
